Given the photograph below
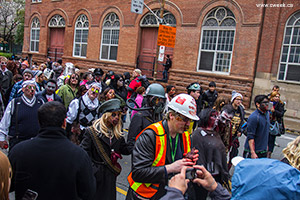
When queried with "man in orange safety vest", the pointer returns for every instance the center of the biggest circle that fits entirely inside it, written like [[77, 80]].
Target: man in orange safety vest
[[159, 150]]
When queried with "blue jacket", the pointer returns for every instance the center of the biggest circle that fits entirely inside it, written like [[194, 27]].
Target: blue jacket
[[258, 128]]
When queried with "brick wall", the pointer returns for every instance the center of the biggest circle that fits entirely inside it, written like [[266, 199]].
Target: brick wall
[[189, 16]]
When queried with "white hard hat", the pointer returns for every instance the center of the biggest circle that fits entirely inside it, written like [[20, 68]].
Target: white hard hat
[[184, 104]]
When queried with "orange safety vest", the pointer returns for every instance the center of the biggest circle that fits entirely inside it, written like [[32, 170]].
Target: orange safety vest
[[148, 190]]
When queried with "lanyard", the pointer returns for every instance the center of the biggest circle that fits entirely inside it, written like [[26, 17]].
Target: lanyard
[[173, 152]]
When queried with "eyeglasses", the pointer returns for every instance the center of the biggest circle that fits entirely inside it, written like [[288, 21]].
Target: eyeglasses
[[74, 77], [95, 90], [31, 87], [121, 80], [3, 63], [182, 118]]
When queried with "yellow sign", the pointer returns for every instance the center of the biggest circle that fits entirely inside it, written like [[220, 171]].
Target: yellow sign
[[166, 36]]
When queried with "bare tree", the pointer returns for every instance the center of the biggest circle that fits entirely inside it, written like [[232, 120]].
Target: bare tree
[[10, 17]]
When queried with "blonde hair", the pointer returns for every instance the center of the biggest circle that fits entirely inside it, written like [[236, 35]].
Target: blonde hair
[[138, 71], [292, 153], [5, 176], [42, 67], [100, 125], [273, 94]]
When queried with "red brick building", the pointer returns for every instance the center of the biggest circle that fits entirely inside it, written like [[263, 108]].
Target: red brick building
[[236, 43]]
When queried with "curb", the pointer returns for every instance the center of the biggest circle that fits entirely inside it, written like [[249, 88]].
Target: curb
[[291, 131]]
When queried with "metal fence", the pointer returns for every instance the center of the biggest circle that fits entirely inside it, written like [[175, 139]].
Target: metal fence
[[55, 53], [147, 64]]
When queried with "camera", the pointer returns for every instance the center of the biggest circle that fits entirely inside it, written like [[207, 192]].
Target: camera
[[190, 173]]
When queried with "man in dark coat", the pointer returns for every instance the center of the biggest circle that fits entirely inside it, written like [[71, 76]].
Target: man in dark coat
[[49, 164], [49, 93]]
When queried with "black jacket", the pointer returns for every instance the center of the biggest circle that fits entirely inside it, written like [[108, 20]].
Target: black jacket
[[209, 98], [42, 96], [212, 155], [279, 112], [52, 166], [139, 121], [143, 157], [105, 178]]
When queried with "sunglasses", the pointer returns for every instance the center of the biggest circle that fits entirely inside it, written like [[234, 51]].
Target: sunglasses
[[265, 102], [182, 118], [239, 99], [74, 77], [31, 87], [95, 90]]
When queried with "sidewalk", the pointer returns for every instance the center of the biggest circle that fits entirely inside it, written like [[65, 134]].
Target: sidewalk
[[292, 125]]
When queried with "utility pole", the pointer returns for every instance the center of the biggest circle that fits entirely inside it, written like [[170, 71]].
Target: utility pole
[[162, 7]]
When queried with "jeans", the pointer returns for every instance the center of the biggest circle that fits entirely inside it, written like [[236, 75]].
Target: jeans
[[261, 154], [271, 142], [165, 74]]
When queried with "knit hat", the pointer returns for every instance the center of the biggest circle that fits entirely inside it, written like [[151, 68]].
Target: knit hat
[[111, 105], [194, 86], [28, 71], [235, 95], [38, 73], [25, 63], [28, 82]]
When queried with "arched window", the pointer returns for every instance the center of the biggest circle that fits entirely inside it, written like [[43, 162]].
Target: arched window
[[35, 35], [149, 20], [110, 37], [289, 67], [57, 21], [81, 36], [217, 38]]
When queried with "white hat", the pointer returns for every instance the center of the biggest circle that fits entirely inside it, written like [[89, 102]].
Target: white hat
[[185, 105], [28, 82], [235, 95]]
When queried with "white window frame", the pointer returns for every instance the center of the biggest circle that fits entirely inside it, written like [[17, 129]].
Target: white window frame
[[289, 46], [216, 51], [111, 29], [80, 29], [57, 21], [35, 27]]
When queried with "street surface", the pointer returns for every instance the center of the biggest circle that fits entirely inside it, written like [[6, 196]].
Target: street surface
[[122, 183]]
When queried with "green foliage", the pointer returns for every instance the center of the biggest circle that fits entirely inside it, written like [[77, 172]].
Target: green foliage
[[7, 55], [12, 15]]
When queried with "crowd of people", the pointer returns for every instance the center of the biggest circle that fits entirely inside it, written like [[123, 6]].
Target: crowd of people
[[64, 139]]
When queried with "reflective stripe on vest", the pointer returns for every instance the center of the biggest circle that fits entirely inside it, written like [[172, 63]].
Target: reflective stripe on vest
[[148, 190], [186, 141]]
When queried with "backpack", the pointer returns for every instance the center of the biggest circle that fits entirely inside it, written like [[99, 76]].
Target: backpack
[[145, 82]]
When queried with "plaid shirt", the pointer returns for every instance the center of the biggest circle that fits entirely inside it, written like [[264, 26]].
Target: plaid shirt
[[15, 90]]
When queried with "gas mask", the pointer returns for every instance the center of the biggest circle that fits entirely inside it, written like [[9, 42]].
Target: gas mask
[[158, 104]]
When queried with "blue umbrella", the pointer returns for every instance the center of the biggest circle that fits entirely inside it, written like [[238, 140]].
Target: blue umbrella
[[265, 179]]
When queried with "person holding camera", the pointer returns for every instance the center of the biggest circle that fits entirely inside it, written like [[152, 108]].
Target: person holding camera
[[159, 150], [179, 184]]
